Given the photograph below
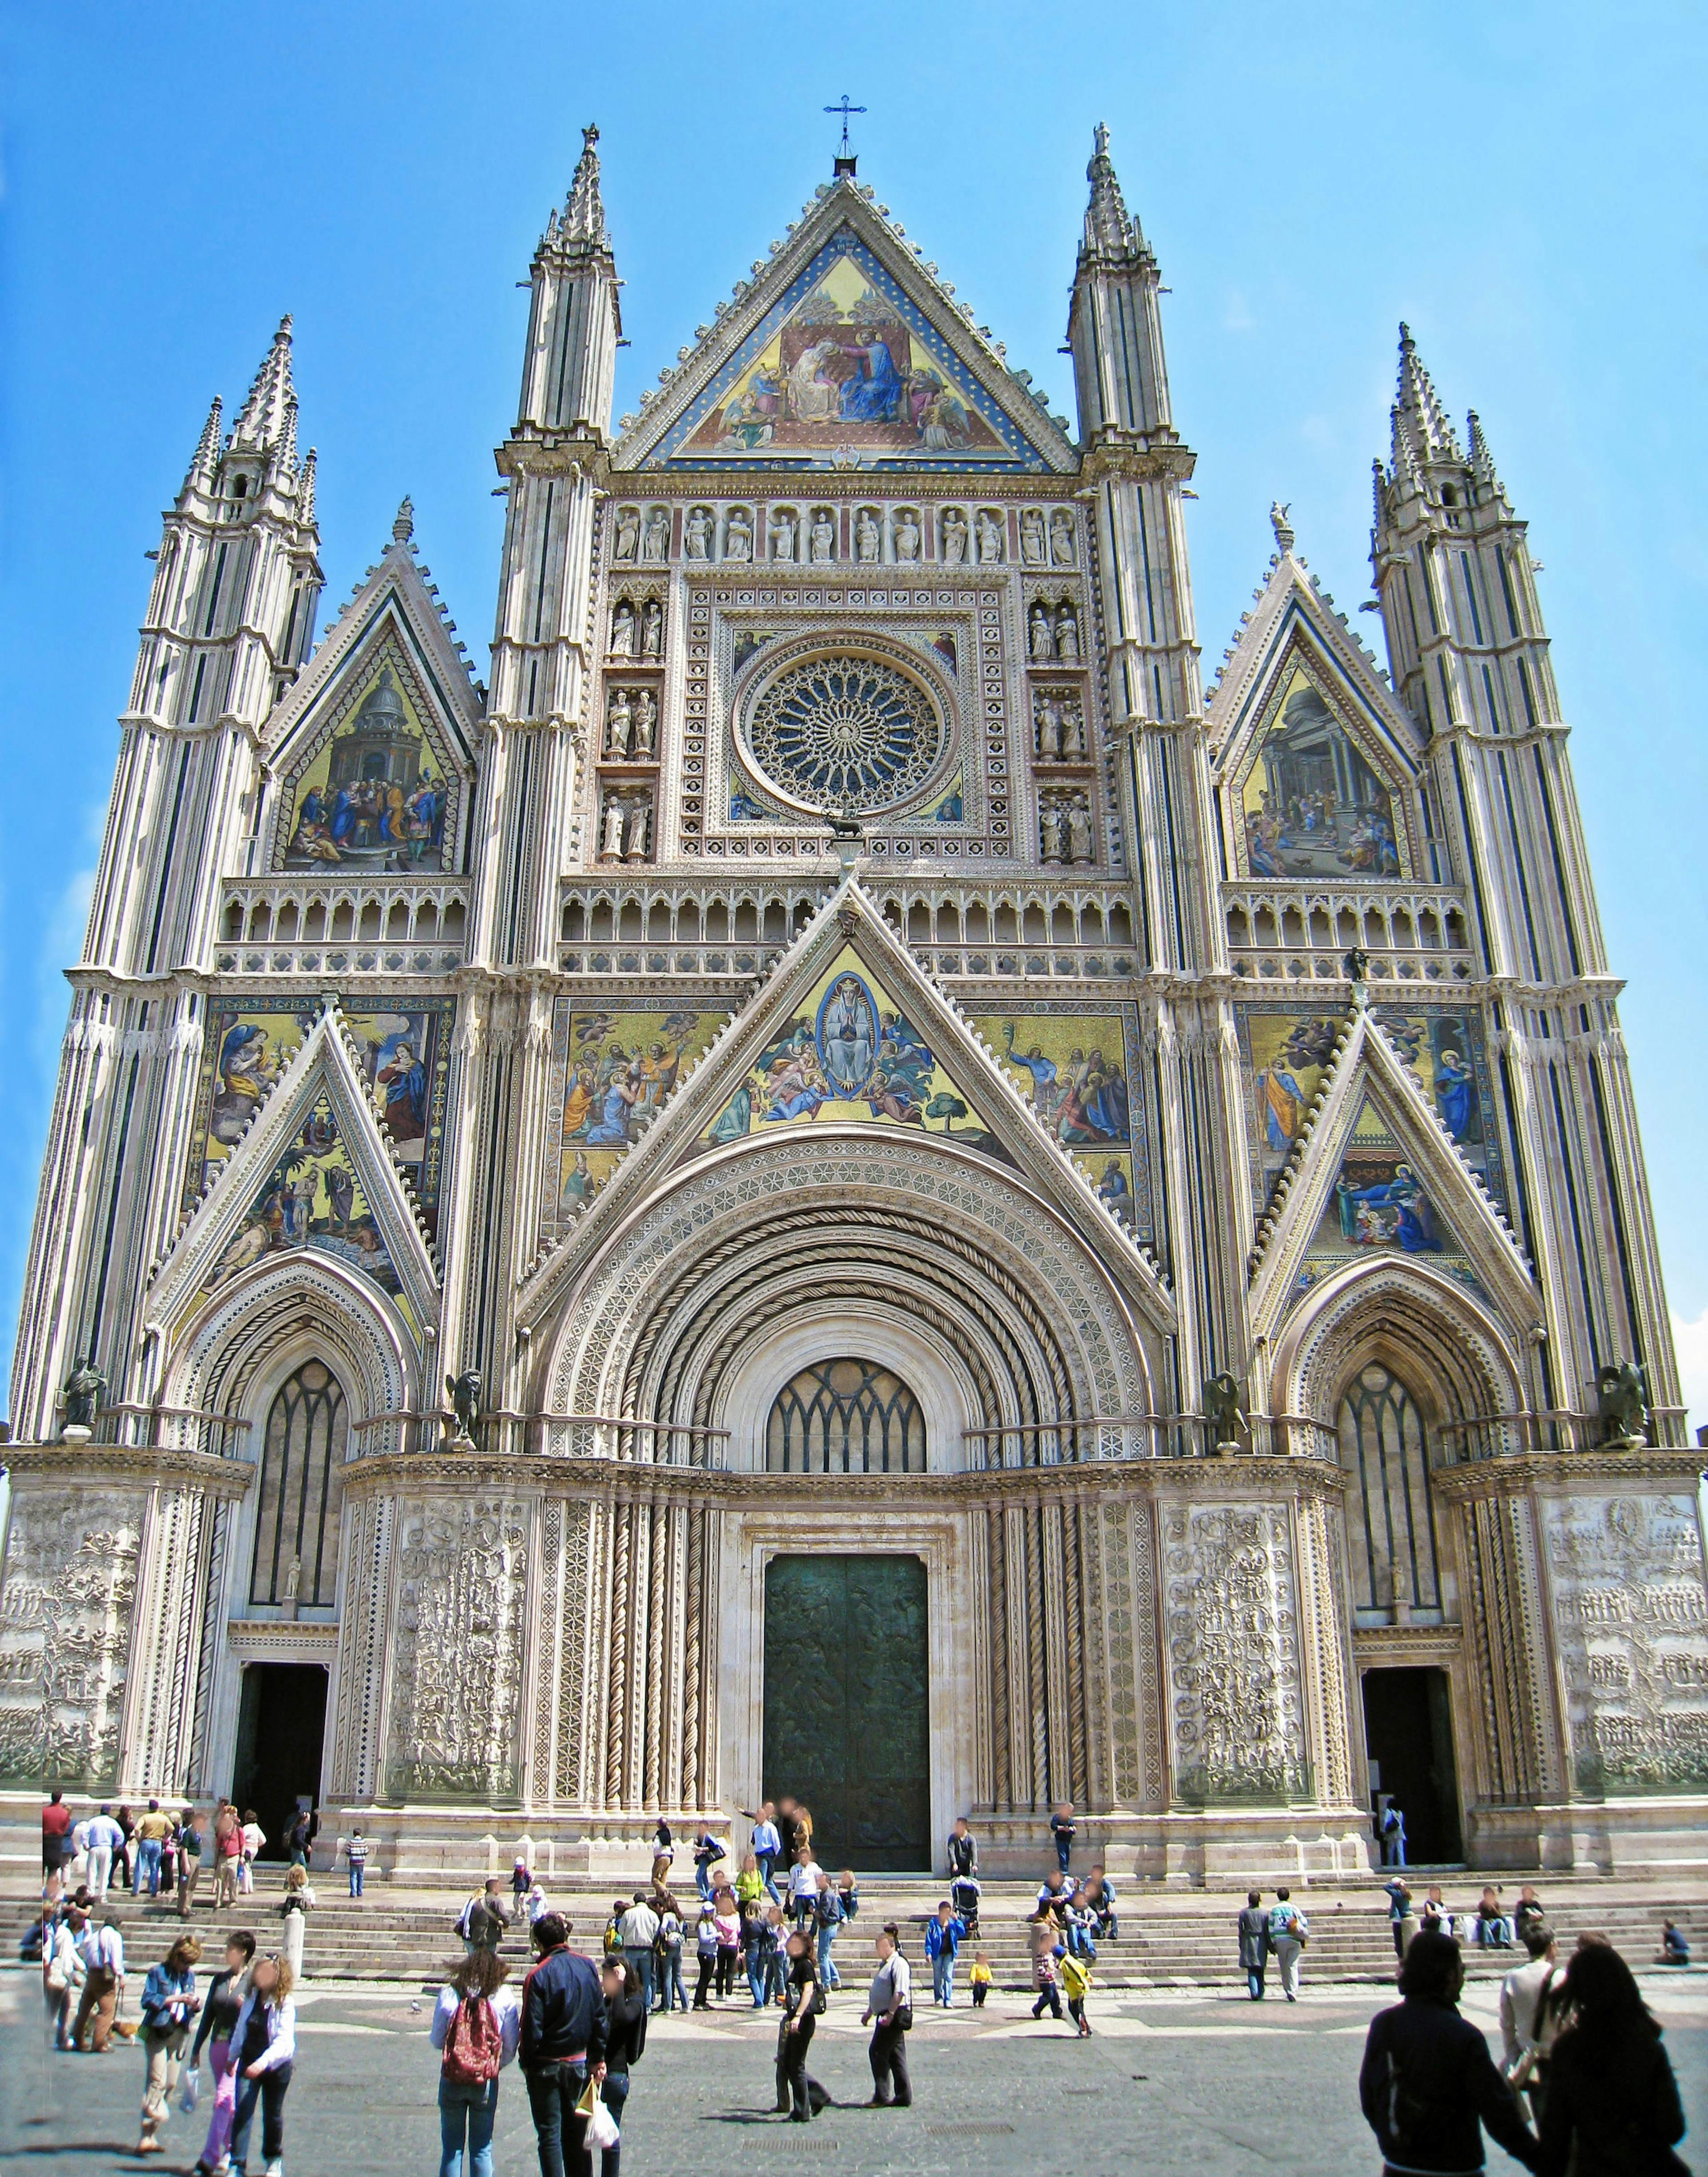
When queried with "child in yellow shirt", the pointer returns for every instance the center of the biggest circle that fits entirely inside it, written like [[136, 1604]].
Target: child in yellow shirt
[[1075, 1978], [980, 1979]]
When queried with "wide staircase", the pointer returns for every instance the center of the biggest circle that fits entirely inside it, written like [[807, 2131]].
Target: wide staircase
[[1166, 1939]]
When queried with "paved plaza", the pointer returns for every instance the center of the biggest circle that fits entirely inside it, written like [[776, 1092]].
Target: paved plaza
[[1198, 2082]]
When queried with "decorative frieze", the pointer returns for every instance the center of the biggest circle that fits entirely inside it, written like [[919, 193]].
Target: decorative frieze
[[66, 1617]]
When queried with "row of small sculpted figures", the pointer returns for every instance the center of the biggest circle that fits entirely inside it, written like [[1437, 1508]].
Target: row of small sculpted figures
[[810, 537], [631, 724]]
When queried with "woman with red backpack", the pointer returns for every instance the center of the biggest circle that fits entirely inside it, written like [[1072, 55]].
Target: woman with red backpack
[[477, 2024]]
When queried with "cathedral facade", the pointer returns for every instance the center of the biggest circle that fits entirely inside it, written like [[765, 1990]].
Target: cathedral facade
[[846, 1181]]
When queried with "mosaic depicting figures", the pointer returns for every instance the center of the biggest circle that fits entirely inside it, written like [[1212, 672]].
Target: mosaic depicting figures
[[404, 1054], [374, 795], [846, 361], [619, 1069], [850, 1053], [1312, 806], [1073, 1070], [312, 1197], [1379, 1205]]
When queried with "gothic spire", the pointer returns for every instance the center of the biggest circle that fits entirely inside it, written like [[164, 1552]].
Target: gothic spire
[[267, 414], [305, 491], [1421, 430], [205, 458], [584, 215], [1482, 461], [1107, 227]]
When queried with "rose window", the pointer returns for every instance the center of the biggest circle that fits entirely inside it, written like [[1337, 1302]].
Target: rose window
[[840, 730]]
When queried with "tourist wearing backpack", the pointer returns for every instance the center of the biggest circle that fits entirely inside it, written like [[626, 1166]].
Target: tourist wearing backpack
[[477, 2023], [1428, 2084]]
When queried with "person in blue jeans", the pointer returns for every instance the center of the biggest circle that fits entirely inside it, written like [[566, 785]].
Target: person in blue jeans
[[765, 1843], [356, 1852], [626, 2044], [263, 2055], [477, 2024], [562, 2045], [708, 1850], [829, 1917], [1062, 1828], [759, 1943], [944, 1936]]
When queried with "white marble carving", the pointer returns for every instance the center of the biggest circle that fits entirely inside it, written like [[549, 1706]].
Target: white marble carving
[[65, 1630], [1233, 1653]]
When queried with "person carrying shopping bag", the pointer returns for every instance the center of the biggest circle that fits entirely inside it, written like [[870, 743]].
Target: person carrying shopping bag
[[168, 2006]]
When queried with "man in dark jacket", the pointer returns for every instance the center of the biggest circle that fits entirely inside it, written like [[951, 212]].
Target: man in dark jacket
[[562, 2045], [1428, 2084], [1254, 1943]]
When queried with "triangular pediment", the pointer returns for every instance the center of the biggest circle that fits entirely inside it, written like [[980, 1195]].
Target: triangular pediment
[[372, 752], [312, 1173], [849, 1033], [844, 352], [1317, 761], [1374, 1173]]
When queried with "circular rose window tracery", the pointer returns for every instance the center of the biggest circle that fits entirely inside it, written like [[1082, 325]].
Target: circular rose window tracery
[[838, 730]]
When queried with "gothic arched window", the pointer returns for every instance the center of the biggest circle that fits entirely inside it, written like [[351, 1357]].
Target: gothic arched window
[[302, 1484], [845, 1417], [1390, 1518]]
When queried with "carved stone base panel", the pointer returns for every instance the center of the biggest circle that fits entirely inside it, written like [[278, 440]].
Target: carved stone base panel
[[1328, 1678], [1496, 1535], [358, 1708], [166, 1645]]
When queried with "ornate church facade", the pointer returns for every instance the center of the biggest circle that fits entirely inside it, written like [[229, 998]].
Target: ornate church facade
[[848, 1181]]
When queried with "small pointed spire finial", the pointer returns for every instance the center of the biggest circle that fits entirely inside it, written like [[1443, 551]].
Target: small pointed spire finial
[[403, 528], [1107, 226], [1481, 459], [1421, 430], [205, 458], [1279, 522], [305, 490], [266, 412], [584, 214]]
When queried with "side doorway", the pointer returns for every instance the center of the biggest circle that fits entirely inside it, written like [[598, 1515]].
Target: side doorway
[[1408, 1736], [282, 1732]]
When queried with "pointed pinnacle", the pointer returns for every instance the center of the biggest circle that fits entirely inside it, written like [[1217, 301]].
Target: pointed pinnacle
[[1107, 228], [584, 214], [403, 529], [1482, 461], [305, 491], [1418, 415], [261, 425], [206, 455]]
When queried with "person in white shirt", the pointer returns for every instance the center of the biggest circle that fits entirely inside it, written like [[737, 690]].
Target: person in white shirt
[[254, 1836], [263, 2055], [891, 2003], [102, 1949], [62, 1972], [637, 1931], [1521, 1993], [473, 2057], [765, 1843], [105, 1837], [803, 1889]]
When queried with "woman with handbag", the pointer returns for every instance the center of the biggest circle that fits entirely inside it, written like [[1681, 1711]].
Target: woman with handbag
[[794, 2039], [62, 1968], [264, 2055], [891, 2003], [477, 2024], [168, 2005], [626, 2044]]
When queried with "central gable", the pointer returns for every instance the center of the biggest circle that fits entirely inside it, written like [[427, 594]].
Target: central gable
[[844, 364]]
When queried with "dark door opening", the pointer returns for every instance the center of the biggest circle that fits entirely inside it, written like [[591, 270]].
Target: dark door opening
[[1408, 1735], [281, 1728], [847, 1706]]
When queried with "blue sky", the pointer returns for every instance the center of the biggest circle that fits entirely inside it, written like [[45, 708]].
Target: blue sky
[[1524, 183]]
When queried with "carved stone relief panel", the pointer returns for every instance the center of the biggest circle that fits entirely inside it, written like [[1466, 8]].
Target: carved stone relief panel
[[1631, 1622], [1233, 1653], [65, 1631], [462, 1594], [1123, 1637]]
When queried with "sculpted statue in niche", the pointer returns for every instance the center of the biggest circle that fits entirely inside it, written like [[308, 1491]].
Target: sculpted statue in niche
[[954, 538], [464, 1392], [623, 629], [868, 536], [80, 1401], [651, 628], [990, 538], [1046, 710], [1041, 639], [738, 535], [628, 534], [1032, 538], [1622, 1404], [823, 536], [783, 526], [908, 536], [657, 537], [637, 825], [1079, 832], [1067, 635], [1051, 831], [646, 723], [1061, 538], [611, 832], [619, 723], [1072, 728], [696, 533]]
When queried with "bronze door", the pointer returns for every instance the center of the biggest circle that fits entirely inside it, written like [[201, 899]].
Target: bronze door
[[847, 1714]]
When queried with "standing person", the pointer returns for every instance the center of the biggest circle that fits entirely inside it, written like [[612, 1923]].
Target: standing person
[[708, 1849], [520, 1882], [1401, 1917], [56, 1832], [105, 1839], [483, 1921], [299, 1903], [563, 2046], [783, 1816], [356, 1849], [168, 2005], [1062, 1828], [978, 1980], [1288, 1932], [803, 1887], [964, 1872], [151, 1834], [944, 1935], [749, 1883], [728, 1922], [62, 1969], [706, 1956], [102, 1949], [799, 2019], [228, 1852], [225, 2000], [759, 1943], [126, 1860], [765, 1843], [1612, 2102], [1391, 1829], [1075, 1978], [476, 2025], [264, 2054], [1254, 1943], [890, 2002], [1044, 1952], [670, 1987], [1427, 2083], [829, 1918], [1524, 1995], [191, 1843], [637, 1931], [625, 2043], [254, 1836], [298, 1838]]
